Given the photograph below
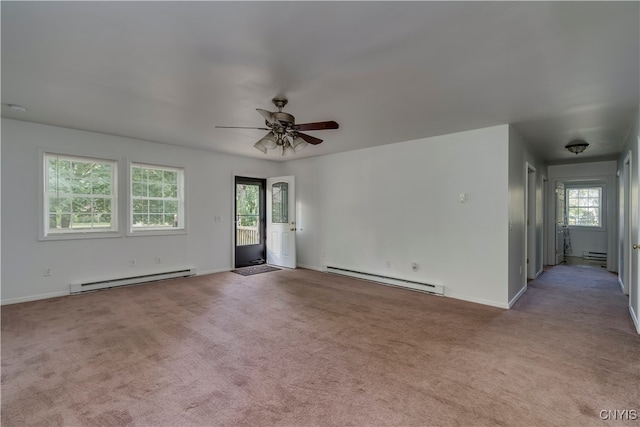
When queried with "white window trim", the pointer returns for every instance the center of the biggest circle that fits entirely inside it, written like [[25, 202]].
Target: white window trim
[[181, 187], [43, 234], [603, 206]]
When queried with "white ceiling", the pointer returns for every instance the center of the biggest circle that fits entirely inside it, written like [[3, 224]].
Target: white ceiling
[[386, 71]]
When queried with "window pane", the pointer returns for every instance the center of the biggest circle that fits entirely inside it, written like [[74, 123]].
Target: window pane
[[139, 219], [280, 203], [154, 175], [53, 221], [155, 206], [101, 186], [171, 190], [65, 220], [137, 175], [170, 177], [140, 206], [171, 207], [171, 220], [155, 219], [155, 190]]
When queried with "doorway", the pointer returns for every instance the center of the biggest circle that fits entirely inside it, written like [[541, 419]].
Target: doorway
[[531, 252], [624, 269], [250, 221]]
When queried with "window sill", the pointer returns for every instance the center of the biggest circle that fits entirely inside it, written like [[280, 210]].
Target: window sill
[[586, 228], [80, 236], [142, 233]]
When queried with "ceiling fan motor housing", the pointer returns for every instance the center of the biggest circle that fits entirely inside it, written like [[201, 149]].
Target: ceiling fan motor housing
[[284, 118]]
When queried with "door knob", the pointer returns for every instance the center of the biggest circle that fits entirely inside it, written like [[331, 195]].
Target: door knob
[[636, 246]]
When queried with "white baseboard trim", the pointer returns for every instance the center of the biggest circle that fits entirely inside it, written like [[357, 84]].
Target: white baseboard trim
[[634, 317], [214, 271], [35, 297], [621, 284], [311, 267], [476, 300], [539, 272], [518, 295]]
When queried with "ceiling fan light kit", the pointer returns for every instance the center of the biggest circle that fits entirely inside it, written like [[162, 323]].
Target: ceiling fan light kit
[[283, 132], [577, 146]]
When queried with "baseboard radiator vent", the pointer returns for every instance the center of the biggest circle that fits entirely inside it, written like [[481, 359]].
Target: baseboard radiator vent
[[390, 281], [133, 280], [597, 256]]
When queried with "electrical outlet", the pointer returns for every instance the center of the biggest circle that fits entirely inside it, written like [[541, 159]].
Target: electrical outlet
[[158, 260], [46, 271], [322, 253], [388, 264], [132, 262]]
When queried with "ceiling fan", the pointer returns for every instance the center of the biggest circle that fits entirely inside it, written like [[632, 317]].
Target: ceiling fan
[[283, 130]]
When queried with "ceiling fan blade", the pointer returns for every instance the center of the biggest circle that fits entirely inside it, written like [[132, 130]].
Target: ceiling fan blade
[[317, 126], [310, 139], [268, 115], [240, 127]]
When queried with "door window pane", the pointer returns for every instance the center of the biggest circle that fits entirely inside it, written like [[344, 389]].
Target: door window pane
[[280, 203], [247, 214]]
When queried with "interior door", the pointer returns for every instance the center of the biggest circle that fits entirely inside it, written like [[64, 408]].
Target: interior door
[[560, 222], [281, 221], [634, 288]]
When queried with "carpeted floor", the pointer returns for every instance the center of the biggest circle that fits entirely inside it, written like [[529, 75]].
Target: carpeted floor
[[303, 348]]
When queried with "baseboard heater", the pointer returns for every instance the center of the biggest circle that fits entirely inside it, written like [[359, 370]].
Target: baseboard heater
[[133, 280], [598, 256], [390, 281]]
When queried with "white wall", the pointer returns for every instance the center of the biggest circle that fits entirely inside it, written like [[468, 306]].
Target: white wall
[[400, 203], [519, 155], [586, 240], [207, 246]]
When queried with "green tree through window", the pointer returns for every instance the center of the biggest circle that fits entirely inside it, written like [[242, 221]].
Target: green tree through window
[[156, 197], [80, 194], [584, 206]]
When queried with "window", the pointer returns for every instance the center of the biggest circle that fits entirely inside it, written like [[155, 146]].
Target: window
[[157, 198], [80, 195], [584, 206]]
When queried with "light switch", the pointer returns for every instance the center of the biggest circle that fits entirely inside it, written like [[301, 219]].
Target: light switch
[[463, 197]]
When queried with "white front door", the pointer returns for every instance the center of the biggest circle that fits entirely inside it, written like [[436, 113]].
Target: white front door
[[281, 221], [560, 223]]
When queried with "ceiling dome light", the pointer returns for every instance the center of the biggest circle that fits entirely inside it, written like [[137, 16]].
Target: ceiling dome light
[[577, 146]]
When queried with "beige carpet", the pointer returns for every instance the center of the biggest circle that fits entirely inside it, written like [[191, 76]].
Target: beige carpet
[[303, 348]]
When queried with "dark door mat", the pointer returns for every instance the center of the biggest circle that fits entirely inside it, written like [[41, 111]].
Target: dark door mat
[[250, 271]]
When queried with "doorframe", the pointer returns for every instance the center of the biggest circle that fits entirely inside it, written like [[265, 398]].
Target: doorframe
[[627, 234], [233, 210], [543, 250], [529, 220]]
